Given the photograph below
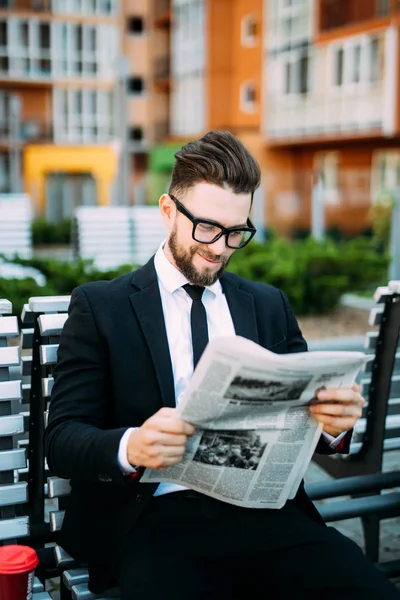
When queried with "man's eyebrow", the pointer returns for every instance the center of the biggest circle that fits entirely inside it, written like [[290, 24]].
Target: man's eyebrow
[[220, 224]]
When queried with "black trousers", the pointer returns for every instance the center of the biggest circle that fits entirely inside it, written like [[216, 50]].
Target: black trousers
[[199, 548]]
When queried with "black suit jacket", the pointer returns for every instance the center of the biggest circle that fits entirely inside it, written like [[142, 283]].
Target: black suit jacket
[[113, 372]]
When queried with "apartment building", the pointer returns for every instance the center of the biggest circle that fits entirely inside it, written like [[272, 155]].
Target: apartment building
[[215, 75], [331, 109], [58, 90]]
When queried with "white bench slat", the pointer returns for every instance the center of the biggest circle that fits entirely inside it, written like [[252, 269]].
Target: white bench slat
[[375, 317], [37, 586], [39, 304], [9, 327], [56, 519], [26, 362], [394, 286], [11, 425], [48, 354], [47, 386], [5, 307], [9, 356], [12, 459], [10, 390], [394, 387], [14, 493], [58, 487], [27, 338], [370, 340], [392, 422], [81, 592], [27, 316], [388, 444], [42, 596], [63, 559], [14, 528], [75, 577], [381, 294], [52, 324]]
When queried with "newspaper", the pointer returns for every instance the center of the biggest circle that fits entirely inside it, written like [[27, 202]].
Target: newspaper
[[254, 433]]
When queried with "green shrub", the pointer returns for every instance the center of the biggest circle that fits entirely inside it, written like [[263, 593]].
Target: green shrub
[[313, 274], [46, 233]]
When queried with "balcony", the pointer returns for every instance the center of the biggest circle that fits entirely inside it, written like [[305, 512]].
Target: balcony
[[162, 73], [162, 14], [26, 5], [340, 13], [32, 131], [294, 118], [161, 131]]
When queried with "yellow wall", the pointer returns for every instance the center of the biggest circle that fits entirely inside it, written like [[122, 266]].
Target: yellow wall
[[39, 160]]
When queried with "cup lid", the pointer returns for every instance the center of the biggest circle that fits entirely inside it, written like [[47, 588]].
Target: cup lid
[[16, 559]]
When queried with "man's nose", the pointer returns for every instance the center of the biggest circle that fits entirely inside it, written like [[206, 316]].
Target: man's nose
[[219, 246]]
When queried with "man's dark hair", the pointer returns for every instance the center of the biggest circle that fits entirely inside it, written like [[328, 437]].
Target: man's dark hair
[[218, 158]]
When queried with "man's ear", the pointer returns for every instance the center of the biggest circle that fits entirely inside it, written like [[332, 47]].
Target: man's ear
[[168, 210]]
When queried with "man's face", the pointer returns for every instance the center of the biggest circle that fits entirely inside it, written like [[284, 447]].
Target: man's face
[[203, 264]]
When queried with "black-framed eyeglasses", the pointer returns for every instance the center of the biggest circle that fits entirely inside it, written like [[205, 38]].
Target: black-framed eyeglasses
[[208, 232]]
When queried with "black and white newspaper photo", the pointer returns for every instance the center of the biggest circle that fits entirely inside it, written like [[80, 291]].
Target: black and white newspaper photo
[[254, 433]]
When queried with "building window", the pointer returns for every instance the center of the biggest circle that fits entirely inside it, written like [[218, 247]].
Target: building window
[[288, 78], [339, 64], [136, 85], [5, 175], [357, 63], [375, 70], [135, 25], [385, 175], [248, 97], [136, 134], [383, 8], [303, 75], [249, 31], [3, 34], [327, 169]]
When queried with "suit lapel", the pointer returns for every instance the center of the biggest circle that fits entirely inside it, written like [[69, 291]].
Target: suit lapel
[[241, 306], [146, 302]]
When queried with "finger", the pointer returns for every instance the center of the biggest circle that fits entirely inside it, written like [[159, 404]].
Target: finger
[[159, 438], [341, 395], [171, 425], [356, 387], [340, 424], [338, 410]]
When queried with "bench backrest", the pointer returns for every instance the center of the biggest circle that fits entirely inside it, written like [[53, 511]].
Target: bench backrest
[[15, 225], [13, 493], [379, 428], [116, 235]]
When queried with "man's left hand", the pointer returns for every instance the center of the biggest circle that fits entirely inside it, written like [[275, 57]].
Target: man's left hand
[[338, 410]]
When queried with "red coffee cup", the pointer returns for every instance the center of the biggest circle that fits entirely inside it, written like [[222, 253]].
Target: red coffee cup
[[17, 570]]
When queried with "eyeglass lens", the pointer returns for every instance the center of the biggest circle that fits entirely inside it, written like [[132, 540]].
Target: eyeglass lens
[[206, 233]]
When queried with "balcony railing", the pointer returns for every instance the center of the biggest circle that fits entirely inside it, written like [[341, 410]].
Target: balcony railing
[[297, 116], [32, 131], [161, 130], [26, 5], [162, 67], [339, 13]]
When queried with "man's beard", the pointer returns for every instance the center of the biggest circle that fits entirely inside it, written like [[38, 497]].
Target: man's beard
[[184, 261]]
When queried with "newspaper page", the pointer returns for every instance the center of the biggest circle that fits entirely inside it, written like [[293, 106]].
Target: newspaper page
[[254, 433]]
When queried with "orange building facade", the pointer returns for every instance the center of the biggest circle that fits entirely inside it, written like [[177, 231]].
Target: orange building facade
[[331, 110]]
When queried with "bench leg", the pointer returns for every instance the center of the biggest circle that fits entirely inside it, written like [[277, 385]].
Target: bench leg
[[65, 593], [371, 528]]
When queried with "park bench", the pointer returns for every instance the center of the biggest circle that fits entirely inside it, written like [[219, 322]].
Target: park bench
[[378, 431], [42, 321], [15, 225], [115, 235], [14, 521]]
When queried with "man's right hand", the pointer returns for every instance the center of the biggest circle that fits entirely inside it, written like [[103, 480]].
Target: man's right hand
[[160, 441]]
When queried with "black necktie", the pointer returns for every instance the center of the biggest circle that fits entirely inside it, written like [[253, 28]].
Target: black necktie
[[198, 321]]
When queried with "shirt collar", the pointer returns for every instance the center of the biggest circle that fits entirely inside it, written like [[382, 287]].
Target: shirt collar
[[171, 278]]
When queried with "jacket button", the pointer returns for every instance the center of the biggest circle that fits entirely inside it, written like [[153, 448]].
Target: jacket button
[[139, 498]]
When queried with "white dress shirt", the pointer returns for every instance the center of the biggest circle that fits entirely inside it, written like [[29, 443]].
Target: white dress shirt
[[176, 305]]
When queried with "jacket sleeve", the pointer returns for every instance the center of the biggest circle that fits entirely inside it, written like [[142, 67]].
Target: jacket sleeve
[[296, 343], [78, 443]]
